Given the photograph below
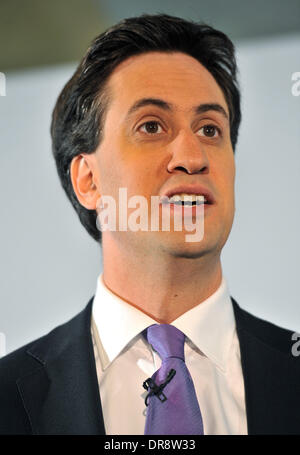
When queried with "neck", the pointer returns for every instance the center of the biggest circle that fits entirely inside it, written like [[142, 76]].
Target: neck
[[163, 287]]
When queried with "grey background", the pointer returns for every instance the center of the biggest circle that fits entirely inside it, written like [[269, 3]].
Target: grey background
[[49, 264]]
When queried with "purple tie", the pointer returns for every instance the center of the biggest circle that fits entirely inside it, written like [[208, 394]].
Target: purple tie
[[172, 405]]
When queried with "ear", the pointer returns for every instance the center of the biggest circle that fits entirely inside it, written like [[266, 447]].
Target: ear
[[83, 174]]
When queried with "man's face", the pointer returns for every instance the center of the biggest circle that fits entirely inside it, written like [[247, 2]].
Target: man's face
[[161, 144]]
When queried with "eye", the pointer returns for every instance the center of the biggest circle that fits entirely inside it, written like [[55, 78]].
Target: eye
[[209, 131], [151, 127]]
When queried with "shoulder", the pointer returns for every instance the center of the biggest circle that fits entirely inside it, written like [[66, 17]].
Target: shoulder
[[266, 332], [25, 359]]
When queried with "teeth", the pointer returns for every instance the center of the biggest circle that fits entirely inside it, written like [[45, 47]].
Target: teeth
[[175, 198], [187, 198]]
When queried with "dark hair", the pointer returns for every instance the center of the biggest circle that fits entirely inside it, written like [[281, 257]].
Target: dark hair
[[78, 116]]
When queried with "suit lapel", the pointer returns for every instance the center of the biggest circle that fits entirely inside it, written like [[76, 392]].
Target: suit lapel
[[61, 396], [271, 376]]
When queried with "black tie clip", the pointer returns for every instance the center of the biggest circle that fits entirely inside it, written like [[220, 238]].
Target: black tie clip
[[157, 389]]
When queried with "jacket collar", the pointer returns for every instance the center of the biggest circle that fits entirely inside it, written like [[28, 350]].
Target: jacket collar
[[61, 395]]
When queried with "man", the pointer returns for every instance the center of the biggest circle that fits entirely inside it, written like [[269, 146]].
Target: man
[[153, 108]]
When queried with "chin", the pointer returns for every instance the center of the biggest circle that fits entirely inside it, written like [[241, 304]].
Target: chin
[[179, 247]]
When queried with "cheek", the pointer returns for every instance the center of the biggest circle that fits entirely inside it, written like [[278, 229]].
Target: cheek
[[225, 178], [108, 173], [227, 168], [229, 191], [117, 172]]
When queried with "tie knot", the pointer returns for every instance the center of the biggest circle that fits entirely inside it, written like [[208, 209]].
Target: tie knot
[[166, 339]]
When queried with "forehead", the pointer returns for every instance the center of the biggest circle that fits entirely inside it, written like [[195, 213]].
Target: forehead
[[174, 77]]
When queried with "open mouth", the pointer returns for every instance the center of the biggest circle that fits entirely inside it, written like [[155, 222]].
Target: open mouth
[[186, 200]]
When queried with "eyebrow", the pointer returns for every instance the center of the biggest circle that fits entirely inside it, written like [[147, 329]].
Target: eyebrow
[[200, 109]]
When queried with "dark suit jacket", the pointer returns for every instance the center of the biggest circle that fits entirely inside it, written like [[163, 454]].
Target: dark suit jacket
[[50, 385]]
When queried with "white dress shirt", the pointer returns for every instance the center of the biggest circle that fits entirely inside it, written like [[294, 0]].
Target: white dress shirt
[[124, 360]]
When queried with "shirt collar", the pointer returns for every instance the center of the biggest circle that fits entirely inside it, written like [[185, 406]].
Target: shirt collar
[[117, 321], [210, 325]]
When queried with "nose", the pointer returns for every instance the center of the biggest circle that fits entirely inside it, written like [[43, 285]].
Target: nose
[[188, 154]]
